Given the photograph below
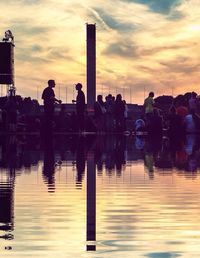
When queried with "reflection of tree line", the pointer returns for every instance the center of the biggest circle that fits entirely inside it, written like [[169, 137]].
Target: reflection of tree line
[[110, 153]]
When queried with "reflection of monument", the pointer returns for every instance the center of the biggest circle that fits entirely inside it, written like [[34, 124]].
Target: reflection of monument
[[80, 161], [91, 203], [7, 203], [7, 180]]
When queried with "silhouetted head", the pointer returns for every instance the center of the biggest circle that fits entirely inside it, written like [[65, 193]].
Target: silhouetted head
[[193, 95], [151, 94], [99, 98], [119, 97], [51, 83], [78, 86]]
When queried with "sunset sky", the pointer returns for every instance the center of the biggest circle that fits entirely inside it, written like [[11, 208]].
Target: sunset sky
[[142, 45]]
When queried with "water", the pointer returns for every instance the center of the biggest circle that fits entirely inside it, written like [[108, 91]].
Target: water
[[99, 197]]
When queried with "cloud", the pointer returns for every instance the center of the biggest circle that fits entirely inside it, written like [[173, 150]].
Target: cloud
[[163, 7], [19, 2], [163, 255], [121, 49], [155, 50], [30, 2], [37, 48], [114, 23], [26, 29], [183, 65], [59, 53], [176, 15]]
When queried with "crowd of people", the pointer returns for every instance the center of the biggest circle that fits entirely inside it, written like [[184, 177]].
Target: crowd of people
[[181, 117], [110, 115], [18, 114]]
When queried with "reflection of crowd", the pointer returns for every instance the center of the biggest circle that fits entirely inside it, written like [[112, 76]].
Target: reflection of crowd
[[17, 153], [168, 153], [110, 154]]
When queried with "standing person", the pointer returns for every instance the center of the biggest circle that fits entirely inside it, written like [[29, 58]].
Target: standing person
[[80, 107], [119, 109], [109, 116], [175, 123], [192, 103], [148, 107], [49, 99], [99, 113]]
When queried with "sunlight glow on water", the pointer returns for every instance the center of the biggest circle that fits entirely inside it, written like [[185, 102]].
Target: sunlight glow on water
[[141, 209]]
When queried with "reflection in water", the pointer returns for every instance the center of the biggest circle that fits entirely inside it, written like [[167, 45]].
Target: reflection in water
[[7, 181], [91, 202], [80, 160], [112, 197], [49, 164], [110, 153]]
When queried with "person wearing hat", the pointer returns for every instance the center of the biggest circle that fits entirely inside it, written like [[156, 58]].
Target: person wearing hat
[[80, 106]]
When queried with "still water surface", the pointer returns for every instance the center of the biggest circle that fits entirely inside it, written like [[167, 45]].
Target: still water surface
[[99, 197]]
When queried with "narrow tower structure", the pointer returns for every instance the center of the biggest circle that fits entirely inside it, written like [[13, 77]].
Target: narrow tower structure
[[91, 66]]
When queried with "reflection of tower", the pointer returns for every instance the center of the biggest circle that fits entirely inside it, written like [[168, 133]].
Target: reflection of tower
[[91, 202], [7, 203], [91, 66], [7, 179]]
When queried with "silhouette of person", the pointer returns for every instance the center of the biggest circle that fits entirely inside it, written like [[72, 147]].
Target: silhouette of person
[[149, 106], [80, 107], [175, 123], [119, 109], [49, 99], [192, 102], [109, 104], [99, 113]]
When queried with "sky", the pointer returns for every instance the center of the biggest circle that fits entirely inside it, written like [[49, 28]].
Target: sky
[[142, 45]]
